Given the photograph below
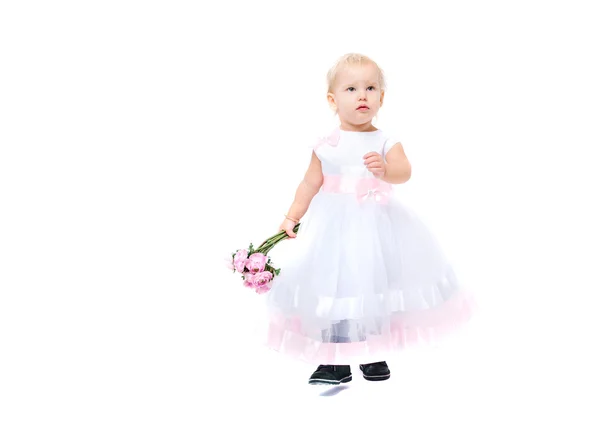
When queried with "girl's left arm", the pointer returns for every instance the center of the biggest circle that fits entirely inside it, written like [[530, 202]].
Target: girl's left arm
[[397, 167]]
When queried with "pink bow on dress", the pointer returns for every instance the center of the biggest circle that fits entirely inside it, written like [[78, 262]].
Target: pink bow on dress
[[332, 139], [373, 188]]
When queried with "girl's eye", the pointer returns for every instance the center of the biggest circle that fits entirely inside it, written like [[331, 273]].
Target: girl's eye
[[351, 88], [371, 88]]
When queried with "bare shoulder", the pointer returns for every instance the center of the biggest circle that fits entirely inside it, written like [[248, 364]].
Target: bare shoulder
[[314, 174], [396, 153], [315, 164], [314, 160]]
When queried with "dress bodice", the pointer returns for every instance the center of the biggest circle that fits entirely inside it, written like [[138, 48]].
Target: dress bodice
[[342, 162], [341, 153]]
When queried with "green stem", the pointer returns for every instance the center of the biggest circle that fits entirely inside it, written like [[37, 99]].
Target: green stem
[[272, 241]]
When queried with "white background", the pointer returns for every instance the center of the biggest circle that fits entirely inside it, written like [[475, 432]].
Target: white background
[[142, 142]]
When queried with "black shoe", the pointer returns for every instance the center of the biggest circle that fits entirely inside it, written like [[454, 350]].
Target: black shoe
[[375, 371], [330, 375]]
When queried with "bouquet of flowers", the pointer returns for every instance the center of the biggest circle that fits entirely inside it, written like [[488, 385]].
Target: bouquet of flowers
[[255, 265]]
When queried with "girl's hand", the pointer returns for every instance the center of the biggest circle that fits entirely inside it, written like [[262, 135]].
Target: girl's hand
[[288, 226], [375, 164]]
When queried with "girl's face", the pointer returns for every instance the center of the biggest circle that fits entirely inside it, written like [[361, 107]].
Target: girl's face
[[356, 95]]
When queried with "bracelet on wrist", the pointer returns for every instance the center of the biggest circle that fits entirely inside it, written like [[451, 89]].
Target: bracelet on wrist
[[290, 218]]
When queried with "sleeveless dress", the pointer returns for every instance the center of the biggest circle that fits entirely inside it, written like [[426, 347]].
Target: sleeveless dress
[[364, 277]]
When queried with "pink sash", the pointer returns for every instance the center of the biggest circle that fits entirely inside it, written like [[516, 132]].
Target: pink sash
[[365, 188]]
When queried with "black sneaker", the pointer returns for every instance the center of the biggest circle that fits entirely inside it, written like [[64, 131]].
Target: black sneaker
[[375, 371], [330, 375]]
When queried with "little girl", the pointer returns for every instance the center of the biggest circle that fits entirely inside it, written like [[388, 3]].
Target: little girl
[[366, 277]]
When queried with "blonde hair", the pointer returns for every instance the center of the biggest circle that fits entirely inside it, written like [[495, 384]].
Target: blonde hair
[[351, 59]]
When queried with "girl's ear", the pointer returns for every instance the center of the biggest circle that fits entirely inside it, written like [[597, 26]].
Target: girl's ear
[[331, 101], [381, 99]]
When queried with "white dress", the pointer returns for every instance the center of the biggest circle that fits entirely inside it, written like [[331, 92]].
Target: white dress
[[365, 277]]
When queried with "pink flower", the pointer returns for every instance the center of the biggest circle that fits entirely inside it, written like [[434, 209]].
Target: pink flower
[[261, 279], [249, 280], [239, 260], [264, 288], [256, 262]]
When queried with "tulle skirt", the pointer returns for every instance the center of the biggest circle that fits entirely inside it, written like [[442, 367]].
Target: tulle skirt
[[361, 280]]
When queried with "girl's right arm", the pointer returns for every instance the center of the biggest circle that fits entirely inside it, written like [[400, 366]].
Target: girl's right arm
[[308, 188]]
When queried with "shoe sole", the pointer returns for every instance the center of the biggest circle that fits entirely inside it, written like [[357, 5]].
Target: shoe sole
[[317, 381], [377, 377]]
